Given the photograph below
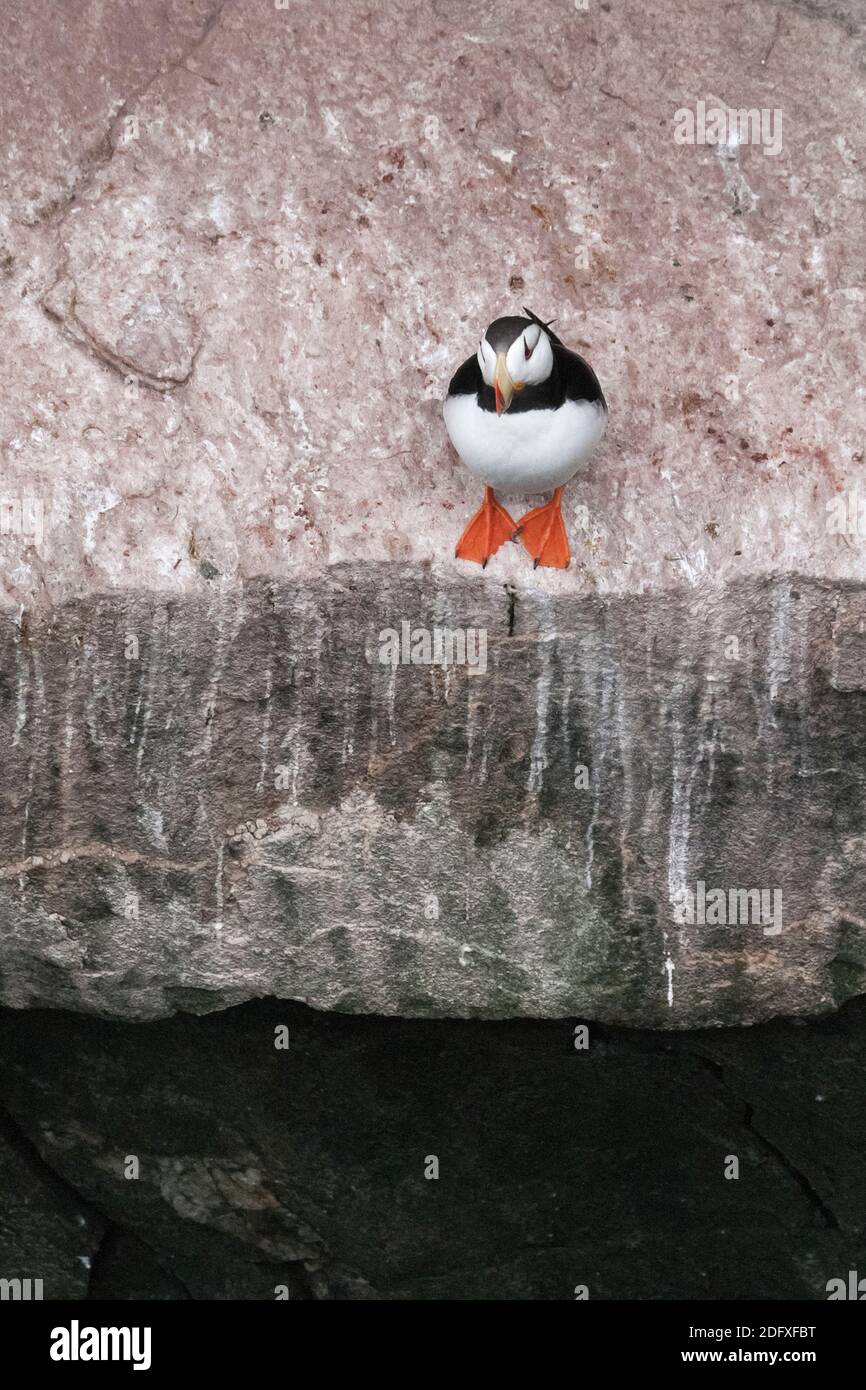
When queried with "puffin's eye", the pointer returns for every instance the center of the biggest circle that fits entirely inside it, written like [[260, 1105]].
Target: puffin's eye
[[530, 341]]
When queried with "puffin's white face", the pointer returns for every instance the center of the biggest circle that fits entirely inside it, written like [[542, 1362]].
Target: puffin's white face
[[510, 363]]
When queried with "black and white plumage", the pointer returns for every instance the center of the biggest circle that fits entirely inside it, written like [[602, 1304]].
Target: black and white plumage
[[555, 417], [523, 414]]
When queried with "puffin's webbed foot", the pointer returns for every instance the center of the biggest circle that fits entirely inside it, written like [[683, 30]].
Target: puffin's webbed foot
[[490, 527], [542, 531]]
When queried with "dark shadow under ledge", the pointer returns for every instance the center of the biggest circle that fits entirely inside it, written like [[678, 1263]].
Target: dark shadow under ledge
[[304, 1168]]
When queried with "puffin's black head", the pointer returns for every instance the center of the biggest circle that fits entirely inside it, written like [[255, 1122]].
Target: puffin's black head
[[503, 332], [514, 353]]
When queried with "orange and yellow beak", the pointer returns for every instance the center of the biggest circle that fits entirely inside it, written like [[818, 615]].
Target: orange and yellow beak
[[503, 385]]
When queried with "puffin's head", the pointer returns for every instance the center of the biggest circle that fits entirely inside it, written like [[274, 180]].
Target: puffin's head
[[514, 353]]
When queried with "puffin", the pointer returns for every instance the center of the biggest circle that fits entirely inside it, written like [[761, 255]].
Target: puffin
[[524, 412]]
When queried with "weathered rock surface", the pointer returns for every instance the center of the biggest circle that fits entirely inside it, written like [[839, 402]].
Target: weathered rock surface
[[289, 226], [304, 1168], [243, 249], [210, 800]]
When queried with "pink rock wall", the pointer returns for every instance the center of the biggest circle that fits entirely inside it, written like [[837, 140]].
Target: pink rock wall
[[244, 247]]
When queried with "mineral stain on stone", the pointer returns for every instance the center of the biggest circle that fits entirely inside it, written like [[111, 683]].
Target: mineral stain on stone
[[366, 799]]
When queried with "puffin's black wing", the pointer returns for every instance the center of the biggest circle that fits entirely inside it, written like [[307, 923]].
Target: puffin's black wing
[[467, 380], [579, 381]]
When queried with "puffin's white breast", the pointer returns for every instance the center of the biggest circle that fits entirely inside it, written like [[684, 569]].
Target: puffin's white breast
[[532, 451]]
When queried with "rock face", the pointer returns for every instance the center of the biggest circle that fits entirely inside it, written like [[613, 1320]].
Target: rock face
[[243, 247], [238, 271], [241, 266], [303, 1169], [48, 1234], [211, 800]]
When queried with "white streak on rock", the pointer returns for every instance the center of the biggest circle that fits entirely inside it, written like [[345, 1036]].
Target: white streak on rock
[[669, 968], [681, 796], [778, 664], [547, 637], [538, 756], [265, 736], [392, 705], [601, 747], [348, 746]]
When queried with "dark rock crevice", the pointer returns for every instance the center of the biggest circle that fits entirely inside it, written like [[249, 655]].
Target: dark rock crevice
[[305, 1168], [109, 1239], [801, 1178], [124, 1267]]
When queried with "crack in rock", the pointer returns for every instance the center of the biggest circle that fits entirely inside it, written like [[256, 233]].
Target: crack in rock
[[59, 304], [100, 154], [802, 1180]]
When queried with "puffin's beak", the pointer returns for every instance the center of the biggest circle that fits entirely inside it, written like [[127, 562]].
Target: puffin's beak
[[502, 384]]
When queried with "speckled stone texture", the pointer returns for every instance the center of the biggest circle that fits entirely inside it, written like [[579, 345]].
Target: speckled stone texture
[[255, 805], [242, 250]]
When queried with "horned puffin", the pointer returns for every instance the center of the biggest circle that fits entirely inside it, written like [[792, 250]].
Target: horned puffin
[[523, 413]]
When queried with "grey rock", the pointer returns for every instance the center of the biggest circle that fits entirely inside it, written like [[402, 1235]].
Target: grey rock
[[209, 800], [238, 268]]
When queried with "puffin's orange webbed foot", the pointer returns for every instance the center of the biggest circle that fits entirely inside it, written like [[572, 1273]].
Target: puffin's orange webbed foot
[[490, 527], [542, 531]]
